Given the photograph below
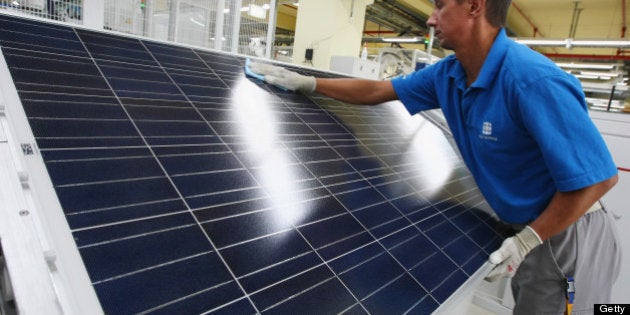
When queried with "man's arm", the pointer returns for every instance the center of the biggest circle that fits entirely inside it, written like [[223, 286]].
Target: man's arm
[[357, 91], [567, 207], [350, 90], [564, 209]]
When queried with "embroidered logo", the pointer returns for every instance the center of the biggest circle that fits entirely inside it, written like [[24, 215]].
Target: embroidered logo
[[487, 128], [486, 132]]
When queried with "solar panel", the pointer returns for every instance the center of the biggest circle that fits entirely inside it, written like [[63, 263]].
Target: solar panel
[[190, 188]]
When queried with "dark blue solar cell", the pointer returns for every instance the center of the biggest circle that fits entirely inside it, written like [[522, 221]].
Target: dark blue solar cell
[[56, 109], [130, 86], [97, 196], [97, 234], [32, 35], [450, 284], [46, 62], [430, 271], [345, 246], [116, 48], [376, 215], [311, 203], [111, 152], [168, 283], [209, 301], [89, 171], [253, 256], [122, 256], [126, 71], [176, 57], [213, 182], [80, 142], [411, 251], [84, 128], [293, 286], [475, 262], [336, 297], [397, 297], [331, 230], [174, 128], [369, 276], [461, 249], [443, 233], [59, 79], [278, 272], [356, 256], [80, 220]]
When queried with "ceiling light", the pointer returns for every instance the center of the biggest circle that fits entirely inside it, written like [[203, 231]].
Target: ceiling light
[[400, 39], [591, 66], [541, 42], [570, 43]]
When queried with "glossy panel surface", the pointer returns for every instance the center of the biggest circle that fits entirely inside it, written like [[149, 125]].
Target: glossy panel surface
[[190, 188]]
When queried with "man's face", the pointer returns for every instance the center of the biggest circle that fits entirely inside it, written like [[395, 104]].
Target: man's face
[[451, 22]]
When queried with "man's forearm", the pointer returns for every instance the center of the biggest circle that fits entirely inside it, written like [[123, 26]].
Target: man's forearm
[[356, 91], [567, 207]]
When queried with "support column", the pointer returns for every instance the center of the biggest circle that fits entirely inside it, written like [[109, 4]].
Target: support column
[[330, 28], [93, 14]]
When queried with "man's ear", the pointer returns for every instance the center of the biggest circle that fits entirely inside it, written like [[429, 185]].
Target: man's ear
[[476, 6]]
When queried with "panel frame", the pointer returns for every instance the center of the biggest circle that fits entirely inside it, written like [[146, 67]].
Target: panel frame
[[45, 253], [68, 276]]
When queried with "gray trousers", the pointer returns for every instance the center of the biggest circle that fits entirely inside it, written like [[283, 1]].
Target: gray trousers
[[589, 250]]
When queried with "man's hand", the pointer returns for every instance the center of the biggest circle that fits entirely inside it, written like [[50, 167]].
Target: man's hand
[[284, 78], [511, 253]]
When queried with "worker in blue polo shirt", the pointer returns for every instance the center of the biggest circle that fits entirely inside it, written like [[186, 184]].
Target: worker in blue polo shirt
[[522, 127]]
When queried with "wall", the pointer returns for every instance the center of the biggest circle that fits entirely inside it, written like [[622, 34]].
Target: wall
[[615, 128]]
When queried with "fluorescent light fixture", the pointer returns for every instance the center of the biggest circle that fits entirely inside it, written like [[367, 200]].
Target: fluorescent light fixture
[[608, 74], [570, 43], [593, 77], [591, 66], [541, 42], [257, 11], [400, 39]]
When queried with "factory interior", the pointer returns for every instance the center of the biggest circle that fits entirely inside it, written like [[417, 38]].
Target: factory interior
[[144, 172]]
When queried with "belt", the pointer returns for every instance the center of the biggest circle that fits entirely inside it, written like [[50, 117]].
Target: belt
[[596, 206]]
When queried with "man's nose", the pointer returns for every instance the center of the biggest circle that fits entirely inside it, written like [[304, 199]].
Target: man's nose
[[431, 22]]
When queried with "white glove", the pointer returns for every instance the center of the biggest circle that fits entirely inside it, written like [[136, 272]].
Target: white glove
[[284, 78], [511, 253]]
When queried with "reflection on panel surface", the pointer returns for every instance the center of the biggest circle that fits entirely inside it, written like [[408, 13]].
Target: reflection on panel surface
[[190, 188]]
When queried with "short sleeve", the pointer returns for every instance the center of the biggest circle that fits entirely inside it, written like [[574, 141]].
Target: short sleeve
[[554, 112], [417, 90]]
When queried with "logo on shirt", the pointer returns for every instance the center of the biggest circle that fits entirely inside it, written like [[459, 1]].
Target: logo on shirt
[[486, 132], [487, 128]]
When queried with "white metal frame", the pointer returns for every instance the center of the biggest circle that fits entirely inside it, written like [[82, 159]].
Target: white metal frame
[[44, 265], [46, 269]]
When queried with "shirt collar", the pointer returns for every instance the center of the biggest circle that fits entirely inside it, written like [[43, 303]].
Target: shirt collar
[[490, 68]]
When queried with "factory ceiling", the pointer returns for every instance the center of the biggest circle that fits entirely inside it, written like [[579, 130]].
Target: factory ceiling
[[540, 19]]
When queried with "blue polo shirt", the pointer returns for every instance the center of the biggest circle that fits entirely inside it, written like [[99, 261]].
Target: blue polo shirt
[[522, 127]]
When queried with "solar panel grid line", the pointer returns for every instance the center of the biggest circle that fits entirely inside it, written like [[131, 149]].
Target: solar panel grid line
[[129, 236], [227, 267], [183, 298], [119, 276], [335, 276], [116, 207], [368, 231], [334, 183]]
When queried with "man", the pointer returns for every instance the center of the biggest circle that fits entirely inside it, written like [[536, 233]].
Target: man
[[522, 127]]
